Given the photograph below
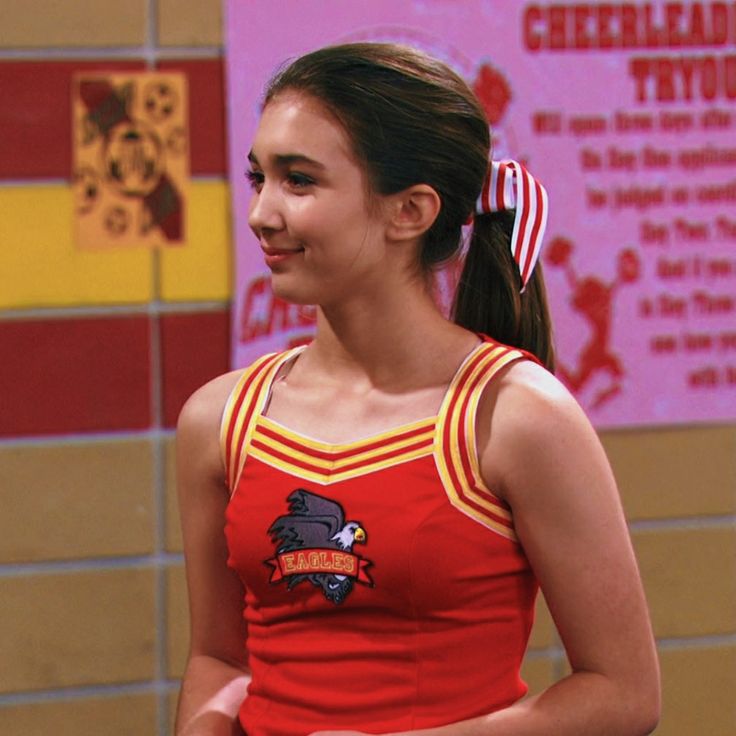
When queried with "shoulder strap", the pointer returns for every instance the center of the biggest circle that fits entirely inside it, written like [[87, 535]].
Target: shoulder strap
[[455, 446], [242, 408]]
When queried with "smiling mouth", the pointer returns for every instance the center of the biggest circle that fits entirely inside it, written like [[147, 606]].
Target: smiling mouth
[[272, 256], [280, 251]]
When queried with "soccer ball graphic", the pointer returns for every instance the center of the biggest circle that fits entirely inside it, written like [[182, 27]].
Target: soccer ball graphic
[[159, 101]]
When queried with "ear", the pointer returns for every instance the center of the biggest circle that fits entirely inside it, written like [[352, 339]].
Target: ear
[[412, 212]]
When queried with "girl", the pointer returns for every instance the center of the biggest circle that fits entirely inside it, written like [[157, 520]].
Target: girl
[[394, 493]]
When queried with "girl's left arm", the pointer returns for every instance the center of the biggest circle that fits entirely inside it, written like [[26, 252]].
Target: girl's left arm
[[538, 451]]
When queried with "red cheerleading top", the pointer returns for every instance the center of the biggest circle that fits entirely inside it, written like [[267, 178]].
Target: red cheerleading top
[[385, 587]]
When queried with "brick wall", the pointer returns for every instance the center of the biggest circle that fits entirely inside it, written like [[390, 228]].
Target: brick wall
[[101, 349]]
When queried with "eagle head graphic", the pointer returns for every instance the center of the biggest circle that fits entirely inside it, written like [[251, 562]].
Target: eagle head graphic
[[304, 539]]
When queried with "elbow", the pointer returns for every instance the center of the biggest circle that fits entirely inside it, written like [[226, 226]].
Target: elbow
[[646, 706], [647, 719]]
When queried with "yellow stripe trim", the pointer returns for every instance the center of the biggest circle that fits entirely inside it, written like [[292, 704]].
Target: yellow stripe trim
[[342, 462], [427, 423], [461, 505], [229, 408], [258, 402], [482, 367], [471, 413], [466, 378], [327, 479]]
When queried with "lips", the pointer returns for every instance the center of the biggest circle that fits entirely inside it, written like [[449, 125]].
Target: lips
[[273, 256], [280, 251]]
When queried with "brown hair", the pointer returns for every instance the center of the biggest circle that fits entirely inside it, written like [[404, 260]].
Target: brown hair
[[413, 120]]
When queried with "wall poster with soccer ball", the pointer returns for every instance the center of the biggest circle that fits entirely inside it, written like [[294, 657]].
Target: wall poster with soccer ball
[[626, 112]]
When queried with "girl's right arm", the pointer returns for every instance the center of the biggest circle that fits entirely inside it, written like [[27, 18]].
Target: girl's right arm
[[216, 675]]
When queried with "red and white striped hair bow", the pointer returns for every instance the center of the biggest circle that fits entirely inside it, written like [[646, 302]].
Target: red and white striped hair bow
[[509, 186]]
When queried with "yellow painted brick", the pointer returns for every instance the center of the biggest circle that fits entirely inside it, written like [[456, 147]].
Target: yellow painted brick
[[665, 473], [698, 692], [190, 22], [538, 673], [76, 500], [543, 632], [41, 266], [173, 527], [76, 629], [201, 269], [38, 23], [177, 628], [116, 716], [690, 579]]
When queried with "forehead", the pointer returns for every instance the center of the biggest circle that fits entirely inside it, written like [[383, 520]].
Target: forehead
[[294, 123]]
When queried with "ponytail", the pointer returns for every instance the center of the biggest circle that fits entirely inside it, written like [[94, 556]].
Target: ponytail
[[488, 298]]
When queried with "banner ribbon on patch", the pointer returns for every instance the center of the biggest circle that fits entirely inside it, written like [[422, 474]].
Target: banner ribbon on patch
[[310, 561]]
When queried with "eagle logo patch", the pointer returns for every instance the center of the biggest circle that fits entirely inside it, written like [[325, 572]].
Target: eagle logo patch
[[314, 543]]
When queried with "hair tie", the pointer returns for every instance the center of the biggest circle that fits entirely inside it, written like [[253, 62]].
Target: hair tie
[[509, 186]]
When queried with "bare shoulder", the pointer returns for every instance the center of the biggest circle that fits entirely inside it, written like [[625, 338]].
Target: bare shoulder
[[530, 426], [198, 428], [203, 409]]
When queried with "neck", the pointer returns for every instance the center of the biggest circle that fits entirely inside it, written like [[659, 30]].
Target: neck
[[388, 340]]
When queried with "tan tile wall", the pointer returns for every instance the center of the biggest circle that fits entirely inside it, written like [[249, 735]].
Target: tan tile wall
[[93, 613], [189, 22], [670, 473], [76, 628], [91, 499], [50, 23], [100, 716]]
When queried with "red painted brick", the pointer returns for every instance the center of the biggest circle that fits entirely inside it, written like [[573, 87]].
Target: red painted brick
[[35, 115], [195, 348], [206, 112], [74, 375]]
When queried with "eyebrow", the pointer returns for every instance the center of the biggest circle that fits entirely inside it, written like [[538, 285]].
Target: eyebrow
[[287, 159]]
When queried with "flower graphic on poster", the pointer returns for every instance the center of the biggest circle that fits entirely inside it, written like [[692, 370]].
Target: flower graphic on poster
[[131, 158], [493, 92]]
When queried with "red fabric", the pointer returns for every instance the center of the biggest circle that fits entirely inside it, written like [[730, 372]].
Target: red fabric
[[432, 629]]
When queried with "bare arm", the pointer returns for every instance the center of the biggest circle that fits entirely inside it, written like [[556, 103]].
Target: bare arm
[[216, 676]]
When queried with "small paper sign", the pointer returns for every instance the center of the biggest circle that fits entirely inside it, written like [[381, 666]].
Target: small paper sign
[[131, 159]]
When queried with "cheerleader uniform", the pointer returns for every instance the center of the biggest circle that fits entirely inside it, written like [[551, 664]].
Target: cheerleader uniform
[[385, 587]]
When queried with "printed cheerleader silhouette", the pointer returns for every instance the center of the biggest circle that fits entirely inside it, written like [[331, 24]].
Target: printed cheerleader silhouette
[[593, 299]]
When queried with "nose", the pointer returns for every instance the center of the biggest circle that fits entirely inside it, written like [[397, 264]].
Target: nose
[[264, 212]]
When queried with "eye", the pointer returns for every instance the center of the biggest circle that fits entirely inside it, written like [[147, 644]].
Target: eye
[[255, 179], [299, 181]]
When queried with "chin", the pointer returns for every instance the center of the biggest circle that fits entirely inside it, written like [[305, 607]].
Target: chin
[[292, 291]]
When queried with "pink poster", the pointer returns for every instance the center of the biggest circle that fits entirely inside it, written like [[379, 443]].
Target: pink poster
[[627, 114]]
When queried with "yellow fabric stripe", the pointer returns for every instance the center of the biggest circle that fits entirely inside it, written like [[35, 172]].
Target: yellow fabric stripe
[[461, 505], [460, 387], [327, 447], [465, 484], [227, 417], [472, 411], [258, 403], [327, 479], [342, 462]]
